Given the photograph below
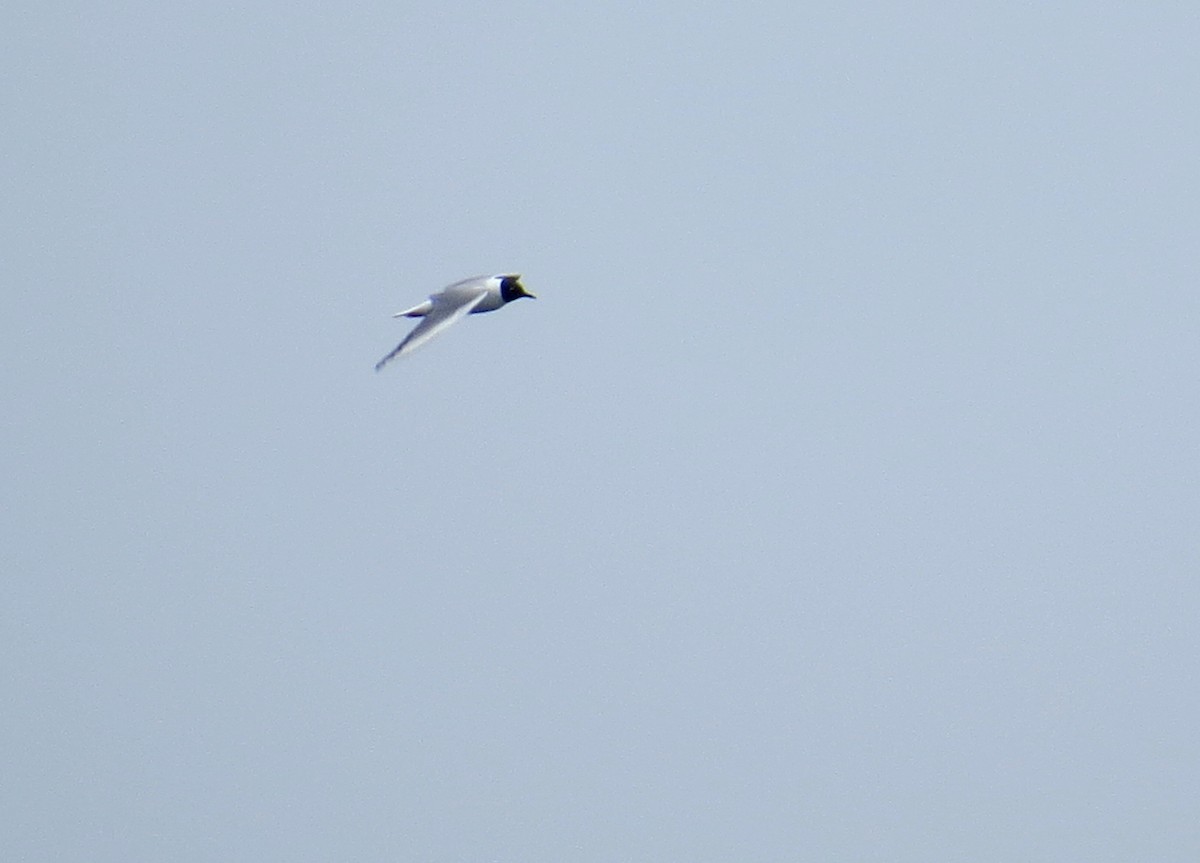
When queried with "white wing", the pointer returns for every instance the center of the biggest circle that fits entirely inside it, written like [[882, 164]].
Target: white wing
[[448, 307]]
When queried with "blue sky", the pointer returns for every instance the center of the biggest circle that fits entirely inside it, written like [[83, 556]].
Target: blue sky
[[835, 500]]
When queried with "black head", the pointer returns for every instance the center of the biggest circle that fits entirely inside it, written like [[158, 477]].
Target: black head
[[512, 289]]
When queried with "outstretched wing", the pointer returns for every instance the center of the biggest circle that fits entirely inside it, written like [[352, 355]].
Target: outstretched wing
[[447, 308]]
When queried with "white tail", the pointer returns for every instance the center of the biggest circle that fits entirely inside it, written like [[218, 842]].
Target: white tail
[[417, 311]]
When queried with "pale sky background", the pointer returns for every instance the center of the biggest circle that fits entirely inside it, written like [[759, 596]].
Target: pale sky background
[[837, 500]]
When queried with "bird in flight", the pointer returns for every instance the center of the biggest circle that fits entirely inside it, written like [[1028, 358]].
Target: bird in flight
[[470, 296]]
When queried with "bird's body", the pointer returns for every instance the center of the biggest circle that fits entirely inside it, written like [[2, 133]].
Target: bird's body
[[470, 296]]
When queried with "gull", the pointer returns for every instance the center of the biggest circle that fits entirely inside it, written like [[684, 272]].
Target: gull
[[470, 296]]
